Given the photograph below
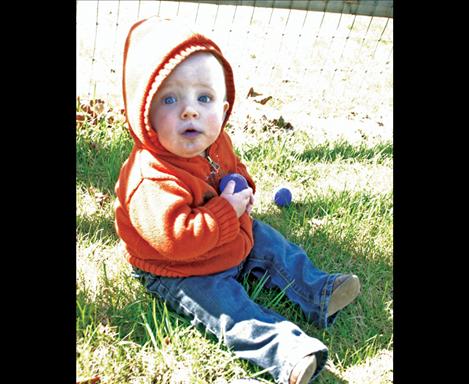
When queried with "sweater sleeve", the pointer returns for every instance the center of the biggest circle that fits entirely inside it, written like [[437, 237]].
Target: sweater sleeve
[[161, 214]]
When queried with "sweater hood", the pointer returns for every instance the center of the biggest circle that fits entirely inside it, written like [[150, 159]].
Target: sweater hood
[[153, 48]]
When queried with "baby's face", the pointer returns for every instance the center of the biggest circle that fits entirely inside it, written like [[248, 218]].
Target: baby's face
[[188, 110]]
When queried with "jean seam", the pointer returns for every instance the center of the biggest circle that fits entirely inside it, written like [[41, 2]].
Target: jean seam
[[323, 318]]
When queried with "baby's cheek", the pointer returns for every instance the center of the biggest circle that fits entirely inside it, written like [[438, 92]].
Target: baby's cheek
[[214, 120], [163, 122]]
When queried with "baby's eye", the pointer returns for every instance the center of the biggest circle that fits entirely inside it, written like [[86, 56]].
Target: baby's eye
[[169, 100], [204, 99]]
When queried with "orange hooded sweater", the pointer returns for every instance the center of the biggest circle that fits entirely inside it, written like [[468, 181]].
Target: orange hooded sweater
[[168, 213]]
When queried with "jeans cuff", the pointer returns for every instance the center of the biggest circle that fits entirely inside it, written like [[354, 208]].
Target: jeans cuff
[[324, 320]]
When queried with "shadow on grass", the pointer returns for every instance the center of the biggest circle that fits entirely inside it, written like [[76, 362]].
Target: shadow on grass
[[99, 158], [345, 150], [329, 377], [327, 152], [96, 227]]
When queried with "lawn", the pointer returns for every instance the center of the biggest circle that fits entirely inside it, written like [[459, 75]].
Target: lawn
[[340, 173]]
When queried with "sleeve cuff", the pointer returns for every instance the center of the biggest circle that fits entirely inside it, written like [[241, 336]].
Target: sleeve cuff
[[226, 218]]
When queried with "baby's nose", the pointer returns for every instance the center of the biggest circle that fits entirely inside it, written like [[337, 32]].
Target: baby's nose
[[189, 113]]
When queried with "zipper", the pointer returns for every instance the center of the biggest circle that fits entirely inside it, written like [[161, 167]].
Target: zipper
[[214, 169]]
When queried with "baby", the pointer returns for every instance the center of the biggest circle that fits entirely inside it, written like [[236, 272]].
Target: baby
[[191, 246]]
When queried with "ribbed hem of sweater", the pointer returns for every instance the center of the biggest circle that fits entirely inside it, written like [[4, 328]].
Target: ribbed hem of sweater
[[226, 218]]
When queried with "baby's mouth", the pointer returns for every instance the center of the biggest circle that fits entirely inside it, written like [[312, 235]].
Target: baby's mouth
[[191, 132]]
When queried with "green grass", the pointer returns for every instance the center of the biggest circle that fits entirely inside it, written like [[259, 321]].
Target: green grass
[[341, 215]]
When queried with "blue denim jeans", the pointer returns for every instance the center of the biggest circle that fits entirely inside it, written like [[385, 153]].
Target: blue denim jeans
[[220, 303]]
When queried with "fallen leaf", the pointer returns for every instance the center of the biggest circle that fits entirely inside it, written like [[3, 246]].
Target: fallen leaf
[[281, 123], [89, 380], [80, 118], [98, 107], [100, 198], [87, 109], [253, 93], [263, 101]]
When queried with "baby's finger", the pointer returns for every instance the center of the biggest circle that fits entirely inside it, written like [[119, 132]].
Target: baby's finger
[[246, 195], [246, 192], [230, 187]]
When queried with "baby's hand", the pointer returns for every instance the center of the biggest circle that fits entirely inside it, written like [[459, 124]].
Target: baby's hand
[[239, 201], [250, 204]]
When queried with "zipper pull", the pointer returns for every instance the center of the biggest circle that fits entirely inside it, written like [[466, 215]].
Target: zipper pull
[[214, 168]]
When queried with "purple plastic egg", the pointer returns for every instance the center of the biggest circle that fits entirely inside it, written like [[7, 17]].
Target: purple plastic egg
[[282, 197], [241, 182]]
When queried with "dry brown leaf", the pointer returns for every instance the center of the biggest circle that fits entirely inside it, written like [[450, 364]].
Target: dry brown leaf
[[100, 198], [93, 145], [263, 101], [97, 106], [281, 123], [89, 380], [253, 93]]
